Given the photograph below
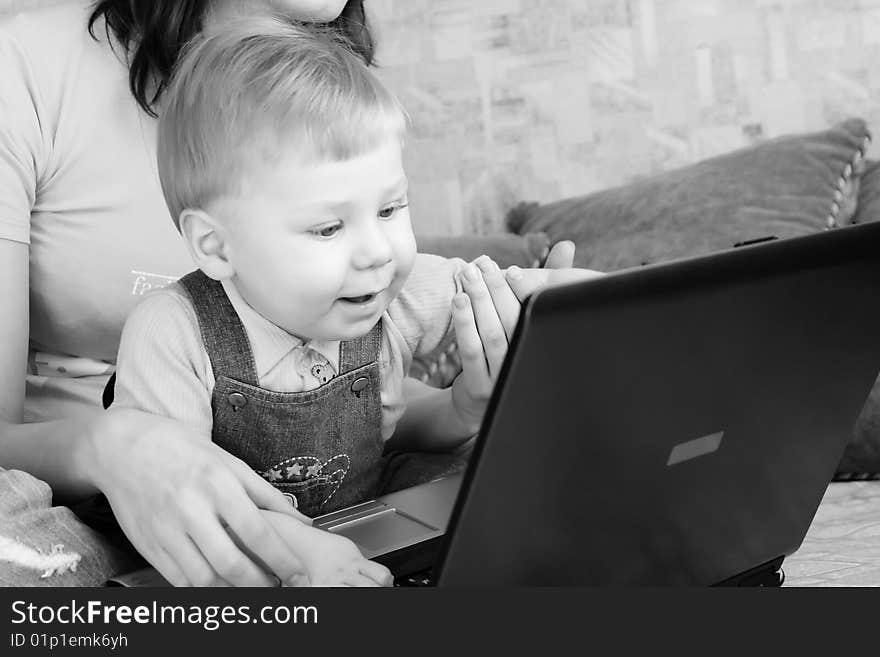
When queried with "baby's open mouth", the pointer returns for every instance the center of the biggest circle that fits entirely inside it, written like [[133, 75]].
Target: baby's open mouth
[[364, 298]]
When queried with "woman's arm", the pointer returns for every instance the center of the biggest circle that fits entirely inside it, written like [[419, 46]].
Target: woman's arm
[[49, 450], [187, 506]]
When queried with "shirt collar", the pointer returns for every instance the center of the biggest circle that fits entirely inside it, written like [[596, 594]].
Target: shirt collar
[[269, 342]]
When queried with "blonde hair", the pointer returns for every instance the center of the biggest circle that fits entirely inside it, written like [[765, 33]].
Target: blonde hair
[[257, 89]]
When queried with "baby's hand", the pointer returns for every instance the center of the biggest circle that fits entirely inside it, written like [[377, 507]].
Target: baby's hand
[[558, 268], [329, 559], [484, 314]]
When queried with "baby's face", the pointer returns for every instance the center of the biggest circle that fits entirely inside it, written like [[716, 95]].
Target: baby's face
[[321, 249]]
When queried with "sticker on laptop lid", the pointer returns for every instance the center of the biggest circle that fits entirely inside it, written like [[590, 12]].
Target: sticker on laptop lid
[[692, 449]]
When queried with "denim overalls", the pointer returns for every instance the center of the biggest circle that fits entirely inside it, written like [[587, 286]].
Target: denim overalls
[[322, 447]]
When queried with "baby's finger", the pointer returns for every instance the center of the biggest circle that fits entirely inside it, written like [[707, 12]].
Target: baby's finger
[[524, 282], [474, 368], [491, 332], [561, 255], [507, 306], [523, 286]]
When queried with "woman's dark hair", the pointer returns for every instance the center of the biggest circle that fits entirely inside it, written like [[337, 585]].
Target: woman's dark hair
[[153, 34]]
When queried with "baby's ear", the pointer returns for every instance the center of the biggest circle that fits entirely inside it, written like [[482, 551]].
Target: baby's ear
[[205, 237]]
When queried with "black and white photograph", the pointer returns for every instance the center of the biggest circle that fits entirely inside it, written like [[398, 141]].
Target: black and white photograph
[[497, 295]]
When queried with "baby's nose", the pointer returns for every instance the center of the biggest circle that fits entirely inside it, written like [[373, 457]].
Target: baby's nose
[[373, 250]]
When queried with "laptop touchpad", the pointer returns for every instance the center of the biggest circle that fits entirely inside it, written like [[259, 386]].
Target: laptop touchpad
[[384, 530]]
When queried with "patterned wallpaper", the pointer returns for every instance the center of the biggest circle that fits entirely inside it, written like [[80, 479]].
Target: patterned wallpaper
[[541, 99]]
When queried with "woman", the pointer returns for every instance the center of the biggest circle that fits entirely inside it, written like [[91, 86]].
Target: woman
[[84, 232]]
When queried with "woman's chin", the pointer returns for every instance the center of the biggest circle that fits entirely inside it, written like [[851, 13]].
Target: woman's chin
[[313, 11]]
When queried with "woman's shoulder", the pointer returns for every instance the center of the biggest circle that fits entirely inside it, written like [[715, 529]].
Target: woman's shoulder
[[48, 45], [49, 28], [66, 104]]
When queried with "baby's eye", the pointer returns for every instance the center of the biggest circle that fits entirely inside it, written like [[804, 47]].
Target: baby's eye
[[327, 231], [388, 211]]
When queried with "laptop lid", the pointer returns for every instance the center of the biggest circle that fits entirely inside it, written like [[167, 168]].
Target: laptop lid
[[671, 425]]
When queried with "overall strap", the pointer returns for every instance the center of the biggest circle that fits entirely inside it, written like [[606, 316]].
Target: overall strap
[[223, 334], [360, 351]]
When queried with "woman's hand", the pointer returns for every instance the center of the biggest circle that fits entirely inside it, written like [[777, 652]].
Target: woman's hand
[[328, 559], [189, 507]]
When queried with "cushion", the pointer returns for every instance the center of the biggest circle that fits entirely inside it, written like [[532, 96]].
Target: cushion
[[789, 186], [786, 187], [441, 366], [506, 249]]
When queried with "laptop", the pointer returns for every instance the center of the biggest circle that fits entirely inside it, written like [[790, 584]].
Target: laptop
[[674, 424]]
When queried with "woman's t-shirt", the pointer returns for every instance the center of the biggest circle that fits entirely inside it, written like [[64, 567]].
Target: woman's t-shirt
[[78, 182]]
